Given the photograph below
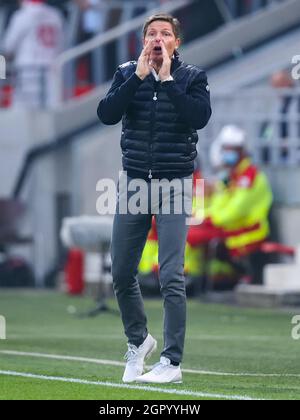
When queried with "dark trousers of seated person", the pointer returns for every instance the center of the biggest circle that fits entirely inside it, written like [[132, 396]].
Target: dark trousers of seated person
[[249, 265]]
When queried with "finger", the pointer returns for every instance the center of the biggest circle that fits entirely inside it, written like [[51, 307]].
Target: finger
[[164, 50], [151, 64], [143, 53], [148, 47]]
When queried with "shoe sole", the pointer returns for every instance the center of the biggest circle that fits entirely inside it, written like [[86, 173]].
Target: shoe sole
[[159, 383]]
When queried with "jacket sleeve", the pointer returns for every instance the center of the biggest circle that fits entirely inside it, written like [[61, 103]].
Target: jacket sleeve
[[193, 106], [15, 32], [112, 108], [237, 208], [245, 202]]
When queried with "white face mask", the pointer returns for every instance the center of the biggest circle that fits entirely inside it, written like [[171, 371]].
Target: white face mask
[[230, 157]]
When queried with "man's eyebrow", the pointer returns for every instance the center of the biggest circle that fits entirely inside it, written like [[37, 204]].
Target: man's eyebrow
[[163, 29]]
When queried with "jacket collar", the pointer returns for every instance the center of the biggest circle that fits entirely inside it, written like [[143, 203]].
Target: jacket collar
[[175, 64], [178, 67], [241, 168]]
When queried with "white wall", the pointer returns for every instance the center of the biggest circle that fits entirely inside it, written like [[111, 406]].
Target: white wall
[[288, 222], [96, 156]]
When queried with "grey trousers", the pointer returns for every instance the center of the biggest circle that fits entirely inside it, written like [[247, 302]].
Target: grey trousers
[[128, 240]]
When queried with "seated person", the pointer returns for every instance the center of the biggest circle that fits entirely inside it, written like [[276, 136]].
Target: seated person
[[236, 222]]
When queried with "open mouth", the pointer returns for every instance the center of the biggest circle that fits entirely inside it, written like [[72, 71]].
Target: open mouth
[[157, 49]]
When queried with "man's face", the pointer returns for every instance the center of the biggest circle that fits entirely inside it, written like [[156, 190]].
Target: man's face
[[160, 31]]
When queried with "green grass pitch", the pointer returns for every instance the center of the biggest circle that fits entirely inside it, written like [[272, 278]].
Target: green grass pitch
[[233, 352]]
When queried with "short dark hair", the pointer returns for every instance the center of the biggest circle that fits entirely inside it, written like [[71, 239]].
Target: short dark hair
[[165, 18]]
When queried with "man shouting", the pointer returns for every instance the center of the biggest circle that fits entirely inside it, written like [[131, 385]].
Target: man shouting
[[162, 102]]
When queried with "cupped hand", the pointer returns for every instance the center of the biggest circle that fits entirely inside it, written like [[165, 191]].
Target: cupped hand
[[165, 70], [143, 67]]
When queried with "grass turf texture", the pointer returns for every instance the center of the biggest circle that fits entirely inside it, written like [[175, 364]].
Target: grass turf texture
[[219, 339]]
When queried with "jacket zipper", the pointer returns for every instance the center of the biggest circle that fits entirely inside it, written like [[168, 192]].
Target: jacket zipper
[[155, 99]]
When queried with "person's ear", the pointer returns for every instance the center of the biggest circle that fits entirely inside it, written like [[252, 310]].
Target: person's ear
[[177, 43]]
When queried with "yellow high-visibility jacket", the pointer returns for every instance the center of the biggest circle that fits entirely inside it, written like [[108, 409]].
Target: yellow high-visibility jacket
[[193, 259], [149, 259], [241, 209]]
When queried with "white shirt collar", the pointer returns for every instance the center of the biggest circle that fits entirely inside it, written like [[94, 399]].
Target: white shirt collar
[[155, 75]]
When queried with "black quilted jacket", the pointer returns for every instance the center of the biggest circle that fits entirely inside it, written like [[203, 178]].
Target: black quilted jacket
[[159, 120]]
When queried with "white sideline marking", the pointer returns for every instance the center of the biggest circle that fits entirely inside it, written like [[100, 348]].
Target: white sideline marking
[[115, 363], [61, 357], [124, 386]]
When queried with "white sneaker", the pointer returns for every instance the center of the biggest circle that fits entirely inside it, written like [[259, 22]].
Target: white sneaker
[[162, 373], [135, 357]]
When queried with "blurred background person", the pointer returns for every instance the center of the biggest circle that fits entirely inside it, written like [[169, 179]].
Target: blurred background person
[[94, 15], [282, 82], [241, 211], [236, 222], [32, 41]]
